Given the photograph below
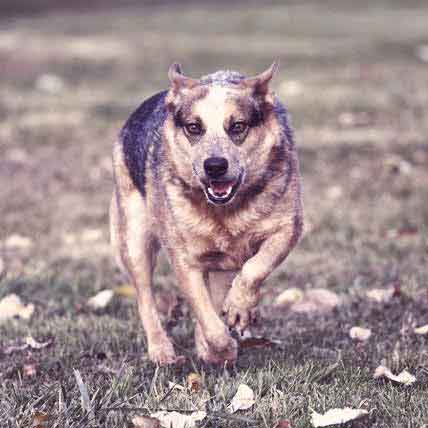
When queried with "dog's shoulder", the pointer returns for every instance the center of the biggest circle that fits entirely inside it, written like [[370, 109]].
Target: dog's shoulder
[[141, 130]]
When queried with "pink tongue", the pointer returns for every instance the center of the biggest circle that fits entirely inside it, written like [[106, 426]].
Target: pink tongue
[[220, 187]]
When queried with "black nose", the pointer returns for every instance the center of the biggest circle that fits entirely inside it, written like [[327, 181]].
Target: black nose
[[215, 167]]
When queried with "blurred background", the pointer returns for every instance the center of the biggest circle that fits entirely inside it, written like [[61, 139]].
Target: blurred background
[[354, 76]]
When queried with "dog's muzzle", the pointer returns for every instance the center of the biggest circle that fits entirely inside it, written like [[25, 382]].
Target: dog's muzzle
[[222, 191]]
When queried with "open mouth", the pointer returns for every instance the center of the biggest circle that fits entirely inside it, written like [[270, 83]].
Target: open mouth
[[220, 192]]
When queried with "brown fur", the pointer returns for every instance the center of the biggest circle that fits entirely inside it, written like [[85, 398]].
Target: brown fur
[[220, 254]]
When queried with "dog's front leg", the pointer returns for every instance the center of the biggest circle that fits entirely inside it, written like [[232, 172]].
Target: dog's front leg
[[244, 295], [216, 334]]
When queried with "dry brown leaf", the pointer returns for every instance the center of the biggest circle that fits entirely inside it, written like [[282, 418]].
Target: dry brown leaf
[[178, 420], [39, 420], [404, 377], [257, 342], [422, 330], [125, 290], [18, 242], [29, 370], [289, 296], [32, 343], [317, 300], [359, 333], [243, 399], [101, 299], [194, 382], [283, 423], [146, 422], [11, 306], [336, 416], [173, 385], [380, 295]]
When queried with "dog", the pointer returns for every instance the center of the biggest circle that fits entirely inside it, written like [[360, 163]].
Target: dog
[[207, 170]]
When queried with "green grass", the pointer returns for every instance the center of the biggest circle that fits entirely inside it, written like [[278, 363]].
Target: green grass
[[365, 193]]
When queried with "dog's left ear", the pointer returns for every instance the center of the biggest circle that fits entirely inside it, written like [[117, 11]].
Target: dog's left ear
[[260, 83], [178, 80]]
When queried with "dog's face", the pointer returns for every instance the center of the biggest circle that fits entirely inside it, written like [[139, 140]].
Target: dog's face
[[220, 132]]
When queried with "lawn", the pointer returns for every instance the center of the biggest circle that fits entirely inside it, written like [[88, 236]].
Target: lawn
[[354, 76]]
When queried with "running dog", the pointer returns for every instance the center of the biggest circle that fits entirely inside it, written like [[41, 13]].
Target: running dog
[[208, 171]]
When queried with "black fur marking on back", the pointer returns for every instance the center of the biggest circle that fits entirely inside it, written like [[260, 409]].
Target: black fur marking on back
[[143, 128]]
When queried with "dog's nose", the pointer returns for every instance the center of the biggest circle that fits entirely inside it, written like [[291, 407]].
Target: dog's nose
[[215, 167]]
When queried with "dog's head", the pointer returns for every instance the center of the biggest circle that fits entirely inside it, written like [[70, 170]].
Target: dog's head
[[220, 130]]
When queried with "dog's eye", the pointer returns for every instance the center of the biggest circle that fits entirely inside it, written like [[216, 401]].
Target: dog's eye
[[193, 128], [238, 128]]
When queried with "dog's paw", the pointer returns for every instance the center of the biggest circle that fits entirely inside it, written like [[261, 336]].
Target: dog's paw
[[239, 308], [211, 356], [163, 354]]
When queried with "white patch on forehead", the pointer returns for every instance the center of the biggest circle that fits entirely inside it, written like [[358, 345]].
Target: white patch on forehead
[[212, 109]]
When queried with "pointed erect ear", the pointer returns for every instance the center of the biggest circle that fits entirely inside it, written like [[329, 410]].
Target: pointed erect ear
[[178, 79], [260, 83]]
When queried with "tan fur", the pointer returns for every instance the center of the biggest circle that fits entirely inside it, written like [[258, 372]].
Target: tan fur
[[220, 254]]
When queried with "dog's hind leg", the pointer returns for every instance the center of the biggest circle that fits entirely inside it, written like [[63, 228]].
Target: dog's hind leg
[[219, 283]]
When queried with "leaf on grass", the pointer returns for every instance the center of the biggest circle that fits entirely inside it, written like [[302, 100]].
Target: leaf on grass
[[194, 382], [18, 242], [404, 377], [145, 422], [289, 296], [381, 295], [173, 385], [101, 299], [283, 423], [11, 306], [360, 333], [29, 370], [178, 420], [258, 342], [243, 399], [33, 344], [125, 290], [40, 420], [336, 416], [317, 300], [84, 395], [421, 330]]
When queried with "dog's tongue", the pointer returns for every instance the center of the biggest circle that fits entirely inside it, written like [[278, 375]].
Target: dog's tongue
[[221, 187]]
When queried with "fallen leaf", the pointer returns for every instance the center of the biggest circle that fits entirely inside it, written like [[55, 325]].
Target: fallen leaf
[[125, 290], [49, 83], [257, 342], [289, 296], [18, 242], [422, 52], [146, 422], [404, 377], [380, 295], [32, 343], [39, 420], [360, 333], [101, 299], [12, 306], [421, 330], [194, 382], [2, 268], [178, 420], [336, 416], [317, 300], [173, 385], [283, 423], [243, 399], [84, 394], [29, 370]]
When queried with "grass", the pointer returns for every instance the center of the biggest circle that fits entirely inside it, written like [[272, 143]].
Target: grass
[[358, 95]]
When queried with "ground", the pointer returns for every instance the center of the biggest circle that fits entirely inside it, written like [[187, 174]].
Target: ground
[[354, 75]]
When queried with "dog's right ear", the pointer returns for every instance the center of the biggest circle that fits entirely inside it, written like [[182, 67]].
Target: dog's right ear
[[178, 80]]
